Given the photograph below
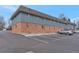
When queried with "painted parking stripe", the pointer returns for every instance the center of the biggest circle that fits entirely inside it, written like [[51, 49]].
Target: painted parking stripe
[[42, 41], [48, 38], [51, 38]]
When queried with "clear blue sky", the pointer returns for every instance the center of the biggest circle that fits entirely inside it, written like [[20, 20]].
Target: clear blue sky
[[71, 11]]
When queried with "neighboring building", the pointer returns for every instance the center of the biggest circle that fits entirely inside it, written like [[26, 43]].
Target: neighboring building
[[26, 20]]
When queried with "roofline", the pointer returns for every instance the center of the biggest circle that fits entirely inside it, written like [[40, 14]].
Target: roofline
[[31, 11], [37, 13]]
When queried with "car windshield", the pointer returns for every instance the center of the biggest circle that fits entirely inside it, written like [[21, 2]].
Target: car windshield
[[66, 29]]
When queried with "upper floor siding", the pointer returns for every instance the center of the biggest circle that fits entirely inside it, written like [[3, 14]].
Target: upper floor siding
[[23, 17]]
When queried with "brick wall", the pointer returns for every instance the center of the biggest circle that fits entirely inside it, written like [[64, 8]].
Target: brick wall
[[34, 28]]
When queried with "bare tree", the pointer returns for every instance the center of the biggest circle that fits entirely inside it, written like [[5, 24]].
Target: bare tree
[[65, 18], [77, 24], [61, 15], [2, 23], [69, 20]]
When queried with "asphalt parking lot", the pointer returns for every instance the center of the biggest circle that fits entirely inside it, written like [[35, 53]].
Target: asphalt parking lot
[[13, 43]]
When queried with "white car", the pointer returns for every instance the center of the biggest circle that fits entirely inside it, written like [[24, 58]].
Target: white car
[[66, 31], [4, 29]]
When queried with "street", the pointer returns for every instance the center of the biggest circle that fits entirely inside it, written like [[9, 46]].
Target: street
[[14, 43]]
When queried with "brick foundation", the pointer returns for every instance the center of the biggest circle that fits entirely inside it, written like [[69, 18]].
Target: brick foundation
[[34, 28]]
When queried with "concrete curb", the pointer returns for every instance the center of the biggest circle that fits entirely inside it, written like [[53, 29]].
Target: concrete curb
[[38, 34], [34, 34]]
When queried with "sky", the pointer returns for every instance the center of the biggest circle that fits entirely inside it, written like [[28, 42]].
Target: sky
[[70, 11]]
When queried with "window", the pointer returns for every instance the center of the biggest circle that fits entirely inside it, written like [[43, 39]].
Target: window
[[42, 26], [16, 26], [27, 25], [28, 15]]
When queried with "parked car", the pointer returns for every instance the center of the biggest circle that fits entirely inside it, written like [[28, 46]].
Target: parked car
[[4, 29], [66, 31]]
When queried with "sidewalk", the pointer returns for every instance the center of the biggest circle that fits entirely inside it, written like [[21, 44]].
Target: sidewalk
[[39, 34]]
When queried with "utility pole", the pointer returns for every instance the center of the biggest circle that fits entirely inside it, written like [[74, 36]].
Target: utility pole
[[74, 25]]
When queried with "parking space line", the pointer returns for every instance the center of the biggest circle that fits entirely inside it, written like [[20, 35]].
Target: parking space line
[[47, 37], [56, 38], [51, 38], [42, 41]]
